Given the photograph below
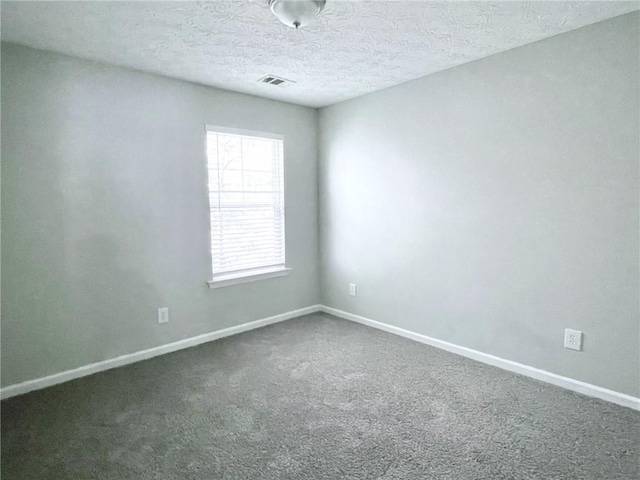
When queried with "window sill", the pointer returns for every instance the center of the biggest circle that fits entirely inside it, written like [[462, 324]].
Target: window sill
[[245, 277]]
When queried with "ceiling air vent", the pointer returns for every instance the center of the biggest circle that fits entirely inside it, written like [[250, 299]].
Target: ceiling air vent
[[273, 80]]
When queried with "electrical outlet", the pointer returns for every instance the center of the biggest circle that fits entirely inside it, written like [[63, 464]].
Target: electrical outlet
[[573, 339], [352, 289], [163, 315]]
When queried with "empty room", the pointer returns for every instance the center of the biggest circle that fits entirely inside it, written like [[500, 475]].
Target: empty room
[[309, 239]]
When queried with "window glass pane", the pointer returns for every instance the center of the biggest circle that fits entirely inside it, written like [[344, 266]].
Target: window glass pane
[[259, 154], [231, 180], [258, 181]]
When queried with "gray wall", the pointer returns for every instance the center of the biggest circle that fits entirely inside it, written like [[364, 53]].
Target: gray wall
[[105, 211], [494, 204]]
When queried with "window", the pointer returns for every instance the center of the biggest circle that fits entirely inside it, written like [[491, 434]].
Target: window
[[246, 200]]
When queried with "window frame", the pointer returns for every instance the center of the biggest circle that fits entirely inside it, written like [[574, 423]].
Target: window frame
[[225, 279]]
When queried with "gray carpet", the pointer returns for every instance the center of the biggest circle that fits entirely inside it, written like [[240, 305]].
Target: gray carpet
[[315, 398]]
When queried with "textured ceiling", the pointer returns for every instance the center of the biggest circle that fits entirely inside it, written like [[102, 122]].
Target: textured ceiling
[[353, 48]]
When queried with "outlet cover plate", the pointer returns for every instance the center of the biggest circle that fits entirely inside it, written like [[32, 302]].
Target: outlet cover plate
[[573, 339], [352, 289], [163, 315]]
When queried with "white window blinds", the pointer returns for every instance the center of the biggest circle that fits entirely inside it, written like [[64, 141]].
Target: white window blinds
[[246, 199]]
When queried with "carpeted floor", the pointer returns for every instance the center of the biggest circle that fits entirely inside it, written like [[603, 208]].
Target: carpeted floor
[[315, 398]]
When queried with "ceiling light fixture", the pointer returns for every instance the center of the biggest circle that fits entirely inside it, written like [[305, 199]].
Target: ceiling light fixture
[[296, 13]]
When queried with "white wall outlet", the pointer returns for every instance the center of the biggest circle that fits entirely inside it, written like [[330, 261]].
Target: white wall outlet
[[163, 315], [352, 289], [573, 339]]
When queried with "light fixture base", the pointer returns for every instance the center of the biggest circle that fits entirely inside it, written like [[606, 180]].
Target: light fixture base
[[296, 13]]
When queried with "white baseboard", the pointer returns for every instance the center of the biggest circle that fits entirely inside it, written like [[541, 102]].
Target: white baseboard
[[39, 383], [552, 378]]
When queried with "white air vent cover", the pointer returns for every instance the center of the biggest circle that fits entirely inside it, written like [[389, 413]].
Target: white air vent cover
[[273, 80]]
